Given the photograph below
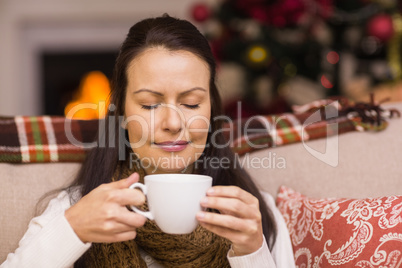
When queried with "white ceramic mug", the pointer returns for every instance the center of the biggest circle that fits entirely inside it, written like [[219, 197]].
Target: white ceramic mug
[[173, 200]]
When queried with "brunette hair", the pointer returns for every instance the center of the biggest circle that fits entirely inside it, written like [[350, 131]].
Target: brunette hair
[[172, 34]]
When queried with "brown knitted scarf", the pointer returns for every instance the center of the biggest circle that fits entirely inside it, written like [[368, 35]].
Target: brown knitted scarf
[[201, 248]]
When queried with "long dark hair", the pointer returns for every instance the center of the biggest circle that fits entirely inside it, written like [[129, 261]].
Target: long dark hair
[[172, 34]]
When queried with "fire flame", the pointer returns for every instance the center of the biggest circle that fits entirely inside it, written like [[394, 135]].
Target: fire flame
[[91, 99]]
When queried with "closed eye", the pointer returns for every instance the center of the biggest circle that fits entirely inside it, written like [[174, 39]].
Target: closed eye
[[196, 106], [149, 107]]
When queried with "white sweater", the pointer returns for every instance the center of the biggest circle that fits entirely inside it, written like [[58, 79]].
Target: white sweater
[[51, 242]]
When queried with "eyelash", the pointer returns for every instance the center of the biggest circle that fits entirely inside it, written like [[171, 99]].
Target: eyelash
[[196, 106], [150, 107]]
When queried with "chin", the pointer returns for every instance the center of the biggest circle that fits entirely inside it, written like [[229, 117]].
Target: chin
[[170, 167], [170, 170]]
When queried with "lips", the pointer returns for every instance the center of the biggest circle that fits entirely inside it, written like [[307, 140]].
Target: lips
[[172, 146]]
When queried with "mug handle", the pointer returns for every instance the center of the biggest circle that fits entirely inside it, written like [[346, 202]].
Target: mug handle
[[144, 189]]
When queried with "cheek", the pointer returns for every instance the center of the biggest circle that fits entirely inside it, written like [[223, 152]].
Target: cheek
[[138, 129], [198, 127]]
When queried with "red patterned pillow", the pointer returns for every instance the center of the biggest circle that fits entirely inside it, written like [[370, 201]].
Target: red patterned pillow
[[343, 232]]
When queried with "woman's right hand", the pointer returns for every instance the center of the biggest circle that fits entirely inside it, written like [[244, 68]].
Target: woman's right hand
[[102, 216]]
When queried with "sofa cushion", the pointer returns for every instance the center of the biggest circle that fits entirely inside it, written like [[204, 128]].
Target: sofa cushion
[[354, 164], [343, 232], [22, 185]]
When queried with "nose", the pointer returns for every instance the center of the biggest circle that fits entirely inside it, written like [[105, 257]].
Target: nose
[[173, 118]]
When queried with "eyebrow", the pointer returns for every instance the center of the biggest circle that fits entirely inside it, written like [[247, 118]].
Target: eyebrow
[[160, 94]]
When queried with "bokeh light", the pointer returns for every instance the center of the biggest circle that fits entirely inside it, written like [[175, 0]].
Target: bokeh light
[[325, 82], [333, 57]]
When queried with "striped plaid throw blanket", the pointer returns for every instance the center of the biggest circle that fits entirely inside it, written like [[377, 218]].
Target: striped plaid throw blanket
[[39, 139], [319, 119]]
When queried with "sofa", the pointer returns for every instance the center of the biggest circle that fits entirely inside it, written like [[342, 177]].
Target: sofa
[[340, 193]]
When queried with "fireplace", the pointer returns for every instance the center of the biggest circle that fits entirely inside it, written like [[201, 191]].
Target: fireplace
[[34, 34], [63, 72]]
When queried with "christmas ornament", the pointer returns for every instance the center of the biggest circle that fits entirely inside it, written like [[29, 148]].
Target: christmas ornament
[[325, 82], [332, 57], [381, 27], [201, 12]]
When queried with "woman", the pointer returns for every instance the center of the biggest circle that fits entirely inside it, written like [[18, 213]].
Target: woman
[[165, 105]]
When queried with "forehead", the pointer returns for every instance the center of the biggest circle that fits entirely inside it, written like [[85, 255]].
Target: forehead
[[160, 59], [158, 50]]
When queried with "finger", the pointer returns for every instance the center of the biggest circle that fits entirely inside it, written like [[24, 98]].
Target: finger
[[242, 243], [125, 236], [125, 183], [229, 234], [128, 197], [119, 220], [113, 227], [131, 219], [228, 222], [233, 192], [119, 227], [117, 237], [231, 206], [115, 213]]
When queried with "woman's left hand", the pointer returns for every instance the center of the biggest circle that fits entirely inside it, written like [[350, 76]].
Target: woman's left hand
[[239, 220]]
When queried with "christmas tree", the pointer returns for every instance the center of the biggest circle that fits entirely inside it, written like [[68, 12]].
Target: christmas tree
[[292, 52]]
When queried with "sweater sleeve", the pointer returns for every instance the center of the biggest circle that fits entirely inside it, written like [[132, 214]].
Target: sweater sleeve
[[281, 254], [261, 258], [282, 251], [49, 241]]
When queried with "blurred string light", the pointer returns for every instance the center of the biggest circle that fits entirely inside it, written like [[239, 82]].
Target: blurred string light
[[91, 98], [258, 54], [290, 70]]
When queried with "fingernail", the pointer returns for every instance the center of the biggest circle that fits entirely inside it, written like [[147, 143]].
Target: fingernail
[[200, 215], [204, 200], [210, 191]]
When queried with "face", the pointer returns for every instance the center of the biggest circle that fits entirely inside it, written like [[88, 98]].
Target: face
[[167, 109]]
